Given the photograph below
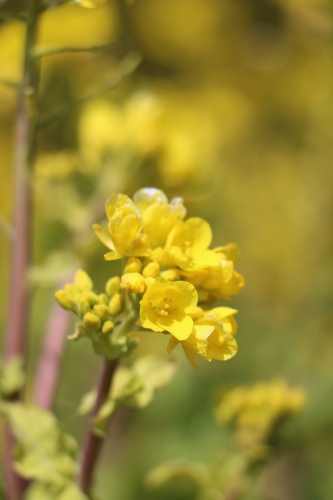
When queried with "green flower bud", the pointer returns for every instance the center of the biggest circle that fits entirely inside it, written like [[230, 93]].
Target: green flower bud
[[112, 286], [116, 304], [107, 327], [92, 321], [65, 299], [83, 306], [103, 299], [102, 311]]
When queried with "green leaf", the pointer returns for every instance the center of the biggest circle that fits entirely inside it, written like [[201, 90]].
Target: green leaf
[[67, 491], [12, 376], [134, 387], [44, 451], [87, 402]]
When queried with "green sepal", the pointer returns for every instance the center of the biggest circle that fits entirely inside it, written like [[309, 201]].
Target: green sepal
[[112, 347]]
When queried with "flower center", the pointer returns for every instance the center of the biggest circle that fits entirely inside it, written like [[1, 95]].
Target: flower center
[[162, 308]]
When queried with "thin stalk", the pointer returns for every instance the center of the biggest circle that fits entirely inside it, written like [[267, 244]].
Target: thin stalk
[[52, 51], [47, 378], [129, 65], [93, 443], [18, 297]]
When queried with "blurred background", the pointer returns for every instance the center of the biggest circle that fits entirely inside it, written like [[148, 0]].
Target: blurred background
[[232, 109]]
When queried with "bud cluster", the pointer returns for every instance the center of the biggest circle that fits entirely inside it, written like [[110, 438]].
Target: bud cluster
[[100, 314]]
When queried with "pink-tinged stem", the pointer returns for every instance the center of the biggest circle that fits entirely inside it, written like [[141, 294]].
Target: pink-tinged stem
[[17, 322], [48, 371], [93, 444]]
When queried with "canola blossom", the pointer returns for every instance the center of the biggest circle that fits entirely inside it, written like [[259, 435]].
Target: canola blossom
[[170, 281]]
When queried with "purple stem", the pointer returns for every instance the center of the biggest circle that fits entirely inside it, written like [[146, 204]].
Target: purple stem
[[47, 378], [15, 338], [93, 444]]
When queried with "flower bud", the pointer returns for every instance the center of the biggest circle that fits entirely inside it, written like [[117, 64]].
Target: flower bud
[[196, 313], [91, 297], [116, 304], [103, 299], [112, 286], [72, 290], [65, 300], [107, 327], [170, 274], [82, 280], [92, 321], [133, 265], [133, 283], [152, 270], [102, 311], [83, 306]]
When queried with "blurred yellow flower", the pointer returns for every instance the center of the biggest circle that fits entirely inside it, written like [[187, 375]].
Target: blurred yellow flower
[[159, 216], [208, 340], [255, 410], [166, 307]]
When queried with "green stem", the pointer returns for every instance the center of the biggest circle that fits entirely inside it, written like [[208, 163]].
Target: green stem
[[24, 156]]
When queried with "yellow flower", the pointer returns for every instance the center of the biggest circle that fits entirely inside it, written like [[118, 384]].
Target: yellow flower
[[221, 280], [208, 340], [225, 316], [159, 216], [187, 247], [125, 224], [166, 307]]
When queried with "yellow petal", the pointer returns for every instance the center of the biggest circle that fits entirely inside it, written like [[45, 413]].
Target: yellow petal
[[173, 342], [103, 236], [112, 256], [179, 327]]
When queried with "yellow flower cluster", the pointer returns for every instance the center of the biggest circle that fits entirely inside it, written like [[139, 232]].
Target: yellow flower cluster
[[255, 410], [179, 277], [99, 314]]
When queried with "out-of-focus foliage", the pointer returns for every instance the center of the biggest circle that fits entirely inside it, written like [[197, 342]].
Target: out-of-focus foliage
[[44, 453], [232, 109]]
